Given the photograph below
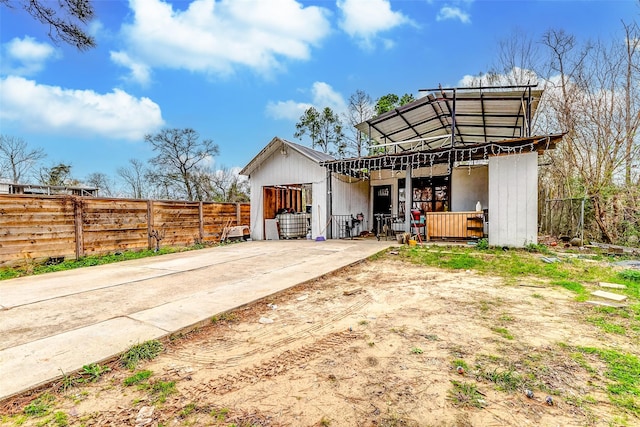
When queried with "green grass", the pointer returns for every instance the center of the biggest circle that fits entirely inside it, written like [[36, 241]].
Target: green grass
[[504, 332], [148, 350], [137, 378], [513, 264], [49, 267], [417, 350], [606, 325], [61, 419], [39, 407], [161, 390], [623, 371]]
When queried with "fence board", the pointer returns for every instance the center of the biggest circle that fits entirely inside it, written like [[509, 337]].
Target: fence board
[[37, 227]]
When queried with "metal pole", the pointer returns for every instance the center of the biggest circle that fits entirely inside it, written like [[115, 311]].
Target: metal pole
[[408, 200], [582, 224]]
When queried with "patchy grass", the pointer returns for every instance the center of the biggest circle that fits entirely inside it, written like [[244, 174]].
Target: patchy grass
[[148, 350], [464, 394], [137, 378], [504, 332], [40, 406], [623, 371]]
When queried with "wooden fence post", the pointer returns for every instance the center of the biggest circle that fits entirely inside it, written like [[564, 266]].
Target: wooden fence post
[[201, 222], [77, 214], [238, 214], [149, 223]]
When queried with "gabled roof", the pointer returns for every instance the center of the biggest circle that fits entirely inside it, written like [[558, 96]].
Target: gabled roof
[[467, 115], [277, 144]]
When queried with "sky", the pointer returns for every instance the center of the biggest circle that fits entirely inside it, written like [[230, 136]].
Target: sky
[[241, 72]]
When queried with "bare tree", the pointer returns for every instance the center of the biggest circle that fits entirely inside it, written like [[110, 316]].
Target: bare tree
[[361, 108], [65, 19], [16, 159], [100, 181], [180, 155], [229, 186], [134, 179], [593, 98]]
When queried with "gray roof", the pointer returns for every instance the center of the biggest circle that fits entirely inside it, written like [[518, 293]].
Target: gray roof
[[468, 115], [276, 144]]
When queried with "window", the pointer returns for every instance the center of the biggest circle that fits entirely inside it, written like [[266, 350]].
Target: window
[[429, 194]]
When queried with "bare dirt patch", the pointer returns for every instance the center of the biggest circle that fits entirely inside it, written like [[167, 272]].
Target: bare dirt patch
[[382, 343]]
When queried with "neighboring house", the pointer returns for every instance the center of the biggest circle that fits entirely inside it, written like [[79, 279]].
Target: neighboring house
[[456, 164], [72, 190]]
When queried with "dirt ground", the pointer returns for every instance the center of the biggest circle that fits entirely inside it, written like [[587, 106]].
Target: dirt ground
[[376, 344]]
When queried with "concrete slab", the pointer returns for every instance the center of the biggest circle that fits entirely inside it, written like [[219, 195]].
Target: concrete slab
[[609, 295], [41, 361], [62, 321], [606, 304], [611, 285]]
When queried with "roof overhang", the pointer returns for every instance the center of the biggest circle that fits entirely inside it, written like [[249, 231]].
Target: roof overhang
[[279, 144], [362, 166]]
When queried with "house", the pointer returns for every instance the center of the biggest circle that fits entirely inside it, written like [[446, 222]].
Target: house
[[292, 191], [456, 164], [71, 190]]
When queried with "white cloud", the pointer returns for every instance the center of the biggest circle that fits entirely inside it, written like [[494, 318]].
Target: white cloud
[[52, 109], [219, 37], [139, 71], [26, 56], [516, 76], [322, 95], [365, 19], [452, 12]]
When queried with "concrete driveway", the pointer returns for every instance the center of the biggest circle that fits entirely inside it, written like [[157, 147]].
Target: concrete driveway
[[58, 322]]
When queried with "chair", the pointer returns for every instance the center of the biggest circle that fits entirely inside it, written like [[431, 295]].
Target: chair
[[418, 223]]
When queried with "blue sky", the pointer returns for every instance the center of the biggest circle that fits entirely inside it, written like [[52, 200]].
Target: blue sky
[[241, 72]]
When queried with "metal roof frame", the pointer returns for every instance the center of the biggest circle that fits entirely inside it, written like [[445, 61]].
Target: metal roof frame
[[467, 115]]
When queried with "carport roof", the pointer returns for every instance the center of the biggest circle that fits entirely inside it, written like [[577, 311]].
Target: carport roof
[[466, 116]]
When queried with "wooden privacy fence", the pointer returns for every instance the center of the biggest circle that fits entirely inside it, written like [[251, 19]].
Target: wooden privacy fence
[[35, 227]]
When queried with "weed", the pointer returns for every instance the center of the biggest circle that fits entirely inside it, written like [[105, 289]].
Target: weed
[[505, 381], [40, 406], [325, 422], [148, 350], [137, 378], [187, 410], [400, 331], [219, 414], [506, 318], [93, 372], [536, 295], [483, 244], [504, 332], [224, 317], [162, 389], [459, 362], [61, 419], [466, 395], [363, 322], [416, 350], [631, 275], [371, 344], [68, 381]]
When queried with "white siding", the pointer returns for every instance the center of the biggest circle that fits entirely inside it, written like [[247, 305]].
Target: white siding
[[350, 198], [293, 168], [513, 200], [468, 186]]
